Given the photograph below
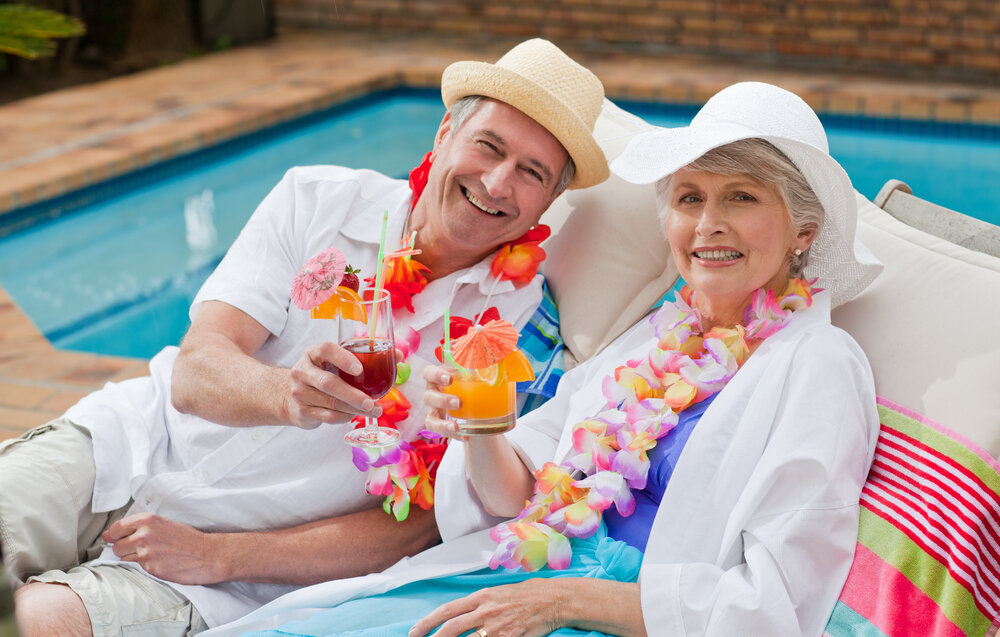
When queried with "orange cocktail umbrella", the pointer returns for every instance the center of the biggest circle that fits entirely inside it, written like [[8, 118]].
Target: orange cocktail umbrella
[[485, 345]]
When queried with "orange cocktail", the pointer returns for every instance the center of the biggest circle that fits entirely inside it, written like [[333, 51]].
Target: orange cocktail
[[488, 401], [488, 395]]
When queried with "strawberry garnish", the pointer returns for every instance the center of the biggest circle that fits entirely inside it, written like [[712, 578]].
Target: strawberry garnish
[[350, 279]]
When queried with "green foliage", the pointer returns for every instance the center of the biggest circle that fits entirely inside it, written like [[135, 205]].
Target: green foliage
[[28, 31]]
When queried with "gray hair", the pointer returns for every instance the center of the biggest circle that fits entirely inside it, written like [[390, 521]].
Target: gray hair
[[763, 161], [462, 109]]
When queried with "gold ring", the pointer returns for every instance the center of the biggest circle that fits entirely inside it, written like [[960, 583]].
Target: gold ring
[[481, 632]]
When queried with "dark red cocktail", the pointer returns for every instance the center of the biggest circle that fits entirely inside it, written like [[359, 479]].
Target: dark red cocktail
[[378, 361]]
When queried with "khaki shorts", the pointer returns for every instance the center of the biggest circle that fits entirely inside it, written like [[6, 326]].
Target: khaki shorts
[[125, 601], [48, 531]]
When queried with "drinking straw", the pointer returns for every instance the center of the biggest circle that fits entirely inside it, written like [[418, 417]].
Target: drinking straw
[[379, 276], [446, 350]]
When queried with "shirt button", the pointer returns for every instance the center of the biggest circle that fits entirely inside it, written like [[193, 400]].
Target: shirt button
[[200, 474], [149, 499], [255, 436]]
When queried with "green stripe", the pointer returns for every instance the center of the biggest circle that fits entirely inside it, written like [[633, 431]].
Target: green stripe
[[926, 573], [944, 444], [847, 622]]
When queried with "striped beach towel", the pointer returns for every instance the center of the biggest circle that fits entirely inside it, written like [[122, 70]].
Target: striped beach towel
[[542, 344], [928, 555]]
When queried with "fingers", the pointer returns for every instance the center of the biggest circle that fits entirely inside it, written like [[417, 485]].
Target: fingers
[[440, 401], [122, 535], [335, 356], [319, 395], [443, 426], [117, 531], [455, 618], [434, 397], [437, 376]]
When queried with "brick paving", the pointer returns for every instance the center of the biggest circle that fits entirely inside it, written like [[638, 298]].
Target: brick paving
[[61, 141]]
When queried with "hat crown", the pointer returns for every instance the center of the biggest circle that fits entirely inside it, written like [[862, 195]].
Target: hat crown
[[766, 109], [543, 63]]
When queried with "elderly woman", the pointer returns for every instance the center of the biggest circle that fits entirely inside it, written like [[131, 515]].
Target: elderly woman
[[702, 474]]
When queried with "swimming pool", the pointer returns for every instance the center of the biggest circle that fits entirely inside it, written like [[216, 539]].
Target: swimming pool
[[116, 270]]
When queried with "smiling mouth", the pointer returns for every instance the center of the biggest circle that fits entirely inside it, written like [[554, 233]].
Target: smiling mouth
[[718, 255], [479, 204]]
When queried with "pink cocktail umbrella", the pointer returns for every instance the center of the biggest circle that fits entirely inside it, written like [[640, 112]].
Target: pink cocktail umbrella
[[318, 279]]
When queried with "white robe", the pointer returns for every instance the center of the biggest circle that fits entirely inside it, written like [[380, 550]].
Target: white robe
[[756, 530]]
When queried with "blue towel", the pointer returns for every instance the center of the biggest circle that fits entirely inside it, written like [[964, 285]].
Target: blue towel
[[543, 346], [597, 556]]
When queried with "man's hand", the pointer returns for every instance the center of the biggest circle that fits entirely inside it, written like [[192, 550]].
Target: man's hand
[[217, 377], [166, 549], [319, 395], [333, 548]]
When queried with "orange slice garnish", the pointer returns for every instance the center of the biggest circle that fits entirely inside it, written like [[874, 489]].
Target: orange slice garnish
[[344, 302], [517, 367], [489, 374]]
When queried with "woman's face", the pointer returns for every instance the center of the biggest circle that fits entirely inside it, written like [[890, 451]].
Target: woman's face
[[730, 234]]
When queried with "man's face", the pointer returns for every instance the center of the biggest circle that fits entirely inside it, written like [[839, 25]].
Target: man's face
[[489, 182]]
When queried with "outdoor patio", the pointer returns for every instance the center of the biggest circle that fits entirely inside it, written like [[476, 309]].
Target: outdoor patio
[[62, 141]]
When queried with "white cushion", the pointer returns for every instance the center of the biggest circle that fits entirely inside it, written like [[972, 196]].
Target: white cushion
[[607, 261], [928, 325]]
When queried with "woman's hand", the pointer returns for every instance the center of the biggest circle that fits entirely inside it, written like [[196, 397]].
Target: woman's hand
[[526, 609], [538, 606], [438, 402], [497, 474]]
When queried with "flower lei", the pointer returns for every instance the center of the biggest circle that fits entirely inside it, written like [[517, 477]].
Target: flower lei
[[644, 396], [405, 472]]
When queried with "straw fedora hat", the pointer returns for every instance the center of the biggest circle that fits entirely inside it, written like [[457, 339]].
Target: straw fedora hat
[[541, 81], [842, 264]]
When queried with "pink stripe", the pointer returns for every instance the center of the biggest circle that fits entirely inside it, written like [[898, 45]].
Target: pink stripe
[[973, 447], [938, 524], [976, 567], [982, 493], [948, 499], [902, 520], [883, 595]]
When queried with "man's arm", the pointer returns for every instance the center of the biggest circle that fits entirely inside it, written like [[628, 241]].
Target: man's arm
[[216, 376], [345, 546]]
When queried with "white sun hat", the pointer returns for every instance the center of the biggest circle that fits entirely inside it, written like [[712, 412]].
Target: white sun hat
[[541, 81], [746, 110]]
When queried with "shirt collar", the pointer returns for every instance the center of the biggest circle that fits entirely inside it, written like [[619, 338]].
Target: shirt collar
[[366, 225]]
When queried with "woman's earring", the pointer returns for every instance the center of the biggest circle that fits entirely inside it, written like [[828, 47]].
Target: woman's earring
[[798, 252]]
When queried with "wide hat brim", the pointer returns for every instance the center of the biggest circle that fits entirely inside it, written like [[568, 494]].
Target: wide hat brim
[[463, 79], [842, 264]]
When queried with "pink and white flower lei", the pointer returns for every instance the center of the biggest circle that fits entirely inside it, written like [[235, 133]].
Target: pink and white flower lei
[[644, 398]]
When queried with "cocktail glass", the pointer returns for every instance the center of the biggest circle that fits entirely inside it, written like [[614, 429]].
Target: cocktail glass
[[368, 334], [488, 401]]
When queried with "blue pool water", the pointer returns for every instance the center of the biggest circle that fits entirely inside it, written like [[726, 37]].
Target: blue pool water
[[117, 266]]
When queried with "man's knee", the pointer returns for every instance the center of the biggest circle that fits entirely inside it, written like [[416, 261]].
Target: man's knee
[[50, 609]]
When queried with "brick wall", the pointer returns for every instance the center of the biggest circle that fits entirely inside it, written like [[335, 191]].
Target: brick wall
[[957, 40]]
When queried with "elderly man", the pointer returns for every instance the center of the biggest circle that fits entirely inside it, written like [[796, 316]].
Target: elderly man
[[222, 479]]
